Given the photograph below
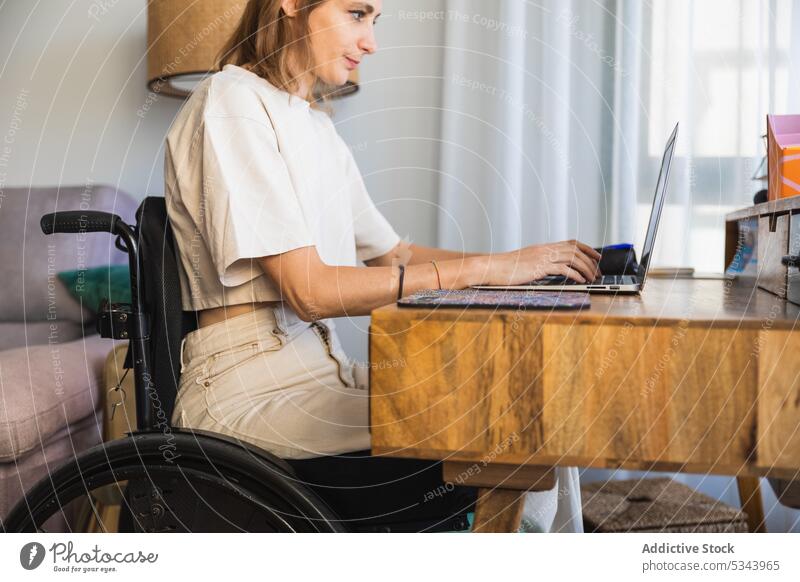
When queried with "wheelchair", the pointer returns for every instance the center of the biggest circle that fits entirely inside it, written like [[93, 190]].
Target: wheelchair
[[174, 479]]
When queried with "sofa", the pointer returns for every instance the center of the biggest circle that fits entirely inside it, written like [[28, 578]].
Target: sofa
[[51, 358]]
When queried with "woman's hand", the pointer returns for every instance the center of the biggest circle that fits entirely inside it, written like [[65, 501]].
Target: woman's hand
[[571, 258]]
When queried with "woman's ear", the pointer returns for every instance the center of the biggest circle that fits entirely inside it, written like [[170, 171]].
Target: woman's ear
[[289, 7]]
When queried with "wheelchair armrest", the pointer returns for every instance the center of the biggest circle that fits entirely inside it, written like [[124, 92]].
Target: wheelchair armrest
[[75, 221]]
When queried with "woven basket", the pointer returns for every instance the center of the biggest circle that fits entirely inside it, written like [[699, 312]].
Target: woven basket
[[655, 505]]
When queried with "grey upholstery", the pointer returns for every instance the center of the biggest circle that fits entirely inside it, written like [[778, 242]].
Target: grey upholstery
[[46, 388], [15, 334]]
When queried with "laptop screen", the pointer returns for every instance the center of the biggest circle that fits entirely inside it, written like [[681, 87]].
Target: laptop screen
[[658, 204]]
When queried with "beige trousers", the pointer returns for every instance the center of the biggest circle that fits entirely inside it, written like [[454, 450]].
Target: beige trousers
[[273, 380]]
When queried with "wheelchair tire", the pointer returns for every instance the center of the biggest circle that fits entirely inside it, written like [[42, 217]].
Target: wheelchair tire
[[206, 483]]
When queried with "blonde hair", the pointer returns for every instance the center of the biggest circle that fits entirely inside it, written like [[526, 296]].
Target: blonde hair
[[266, 38]]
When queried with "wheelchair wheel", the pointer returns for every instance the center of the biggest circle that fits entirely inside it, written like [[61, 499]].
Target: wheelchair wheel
[[187, 481]]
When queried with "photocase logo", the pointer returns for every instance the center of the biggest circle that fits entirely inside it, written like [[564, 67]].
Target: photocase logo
[[31, 555]]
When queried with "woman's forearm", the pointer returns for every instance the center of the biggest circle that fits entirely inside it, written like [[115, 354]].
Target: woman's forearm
[[414, 254], [319, 291], [421, 254], [344, 291]]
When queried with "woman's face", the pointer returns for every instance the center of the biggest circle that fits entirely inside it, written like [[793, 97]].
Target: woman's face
[[341, 33]]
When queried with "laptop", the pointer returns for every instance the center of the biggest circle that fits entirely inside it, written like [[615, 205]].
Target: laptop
[[614, 283]]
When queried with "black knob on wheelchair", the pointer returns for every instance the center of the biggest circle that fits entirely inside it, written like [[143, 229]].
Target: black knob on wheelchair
[[791, 261], [74, 221]]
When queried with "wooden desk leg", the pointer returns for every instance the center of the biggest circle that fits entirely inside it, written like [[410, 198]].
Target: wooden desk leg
[[498, 510], [501, 490], [750, 499]]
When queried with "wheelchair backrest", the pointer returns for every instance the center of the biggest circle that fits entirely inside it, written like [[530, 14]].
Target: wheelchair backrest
[[161, 293]]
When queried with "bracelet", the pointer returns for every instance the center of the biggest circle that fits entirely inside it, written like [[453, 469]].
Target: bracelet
[[438, 276], [402, 275]]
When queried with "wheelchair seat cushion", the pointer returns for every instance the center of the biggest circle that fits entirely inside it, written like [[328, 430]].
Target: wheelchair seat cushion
[[387, 494]]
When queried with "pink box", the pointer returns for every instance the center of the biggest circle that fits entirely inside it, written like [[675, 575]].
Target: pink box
[[783, 151]]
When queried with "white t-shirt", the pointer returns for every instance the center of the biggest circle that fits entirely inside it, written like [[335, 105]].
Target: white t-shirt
[[251, 171]]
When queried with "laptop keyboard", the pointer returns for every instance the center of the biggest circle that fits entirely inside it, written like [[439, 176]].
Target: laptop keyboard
[[604, 280]]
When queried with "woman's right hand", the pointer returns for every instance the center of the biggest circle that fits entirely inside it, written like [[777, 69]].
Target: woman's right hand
[[570, 258]]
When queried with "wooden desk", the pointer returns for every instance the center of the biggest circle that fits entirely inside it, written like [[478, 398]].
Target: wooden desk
[[696, 376]]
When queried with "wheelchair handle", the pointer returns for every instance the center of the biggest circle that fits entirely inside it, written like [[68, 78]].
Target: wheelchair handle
[[138, 329], [75, 221]]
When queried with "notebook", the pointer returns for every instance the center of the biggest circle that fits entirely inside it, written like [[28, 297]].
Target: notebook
[[496, 298]]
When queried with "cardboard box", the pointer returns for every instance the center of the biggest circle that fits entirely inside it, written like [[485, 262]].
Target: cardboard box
[[783, 150]]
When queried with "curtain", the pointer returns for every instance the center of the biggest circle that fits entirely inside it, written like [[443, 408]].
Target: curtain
[[555, 114], [527, 101]]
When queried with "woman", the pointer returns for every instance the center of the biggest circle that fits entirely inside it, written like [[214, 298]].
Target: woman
[[271, 217]]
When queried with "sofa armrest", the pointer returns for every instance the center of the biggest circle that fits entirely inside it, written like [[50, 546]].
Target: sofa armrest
[[45, 388]]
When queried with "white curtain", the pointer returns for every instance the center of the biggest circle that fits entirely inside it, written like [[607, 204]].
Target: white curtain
[[528, 100], [556, 112]]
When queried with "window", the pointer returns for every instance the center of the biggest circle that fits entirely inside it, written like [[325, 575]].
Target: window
[[718, 67]]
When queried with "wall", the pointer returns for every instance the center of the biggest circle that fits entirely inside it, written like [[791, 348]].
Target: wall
[[83, 81]]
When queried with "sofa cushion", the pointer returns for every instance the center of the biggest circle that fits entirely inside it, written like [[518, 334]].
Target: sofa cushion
[[17, 334], [45, 388], [91, 286]]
